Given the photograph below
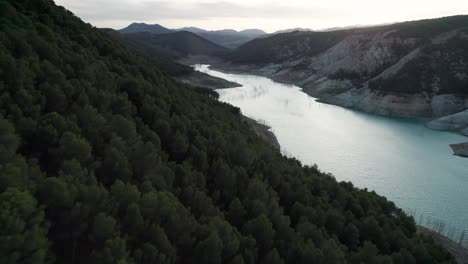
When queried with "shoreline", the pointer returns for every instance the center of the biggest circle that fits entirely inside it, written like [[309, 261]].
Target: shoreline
[[262, 131], [200, 79], [242, 69], [460, 149], [459, 252]]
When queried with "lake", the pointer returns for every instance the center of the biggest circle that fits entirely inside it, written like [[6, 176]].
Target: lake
[[398, 158]]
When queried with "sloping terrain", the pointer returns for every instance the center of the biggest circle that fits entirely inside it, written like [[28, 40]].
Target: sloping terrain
[[411, 69], [142, 27], [104, 159], [165, 51], [177, 44], [227, 38], [163, 58]]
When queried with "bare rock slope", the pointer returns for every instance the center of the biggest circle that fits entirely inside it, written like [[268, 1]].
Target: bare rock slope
[[411, 69]]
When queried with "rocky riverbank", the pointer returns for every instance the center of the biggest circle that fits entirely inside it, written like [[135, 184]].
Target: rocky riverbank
[[390, 104], [460, 149], [459, 252], [345, 93], [263, 131], [390, 70], [457, 122], [199, 79]]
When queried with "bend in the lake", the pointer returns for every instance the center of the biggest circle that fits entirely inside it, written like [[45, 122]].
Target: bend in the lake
[[399, 158]]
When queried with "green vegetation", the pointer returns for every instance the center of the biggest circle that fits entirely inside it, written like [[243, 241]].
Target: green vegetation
[[163, 57], [177, 44], [103, 159], [164, 49]]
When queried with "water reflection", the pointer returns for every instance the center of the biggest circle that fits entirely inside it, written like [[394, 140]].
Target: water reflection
[[399, 158]]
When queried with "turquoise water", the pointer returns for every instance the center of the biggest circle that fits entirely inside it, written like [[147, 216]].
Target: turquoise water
[[398, 158]]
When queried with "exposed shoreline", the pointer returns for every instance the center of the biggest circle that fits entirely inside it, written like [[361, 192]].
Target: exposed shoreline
[[460, 150], [459, 252], [364, 100], [199, 79], [263, 131]]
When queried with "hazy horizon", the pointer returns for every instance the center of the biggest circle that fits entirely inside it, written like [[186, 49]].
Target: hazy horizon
[[268, 15]]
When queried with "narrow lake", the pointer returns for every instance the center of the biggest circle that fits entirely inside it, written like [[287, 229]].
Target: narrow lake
[[398, 158]]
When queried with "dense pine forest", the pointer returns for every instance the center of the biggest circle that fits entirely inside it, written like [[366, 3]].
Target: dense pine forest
[[104, 159]]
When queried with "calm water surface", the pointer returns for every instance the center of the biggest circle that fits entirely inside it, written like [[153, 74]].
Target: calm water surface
[[398, 158]]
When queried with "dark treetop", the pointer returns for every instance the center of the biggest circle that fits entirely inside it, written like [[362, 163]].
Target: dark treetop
[[103, 159]]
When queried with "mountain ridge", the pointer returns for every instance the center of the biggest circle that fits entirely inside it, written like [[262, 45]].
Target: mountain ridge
[[165, 50], [179, 44], [143, 27], [409, 69], [229, 38]]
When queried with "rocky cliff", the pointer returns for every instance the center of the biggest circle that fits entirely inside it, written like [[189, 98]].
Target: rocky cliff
[[411, 69]]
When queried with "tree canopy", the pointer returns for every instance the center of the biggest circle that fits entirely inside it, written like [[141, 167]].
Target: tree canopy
[[104, 159]]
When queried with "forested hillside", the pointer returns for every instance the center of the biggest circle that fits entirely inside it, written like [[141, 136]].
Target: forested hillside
[[103, 159], [163, 57], [177, 44], [165, 49]]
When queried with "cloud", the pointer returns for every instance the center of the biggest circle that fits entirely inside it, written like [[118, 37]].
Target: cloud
[[106, 9], [121, 10], [269, 14]]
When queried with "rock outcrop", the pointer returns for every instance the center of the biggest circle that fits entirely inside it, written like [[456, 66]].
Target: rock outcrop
[[460, 149], [457, 122], [413, 69]]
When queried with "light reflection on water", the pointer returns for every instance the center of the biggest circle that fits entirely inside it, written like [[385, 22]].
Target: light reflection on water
[[398, 158]]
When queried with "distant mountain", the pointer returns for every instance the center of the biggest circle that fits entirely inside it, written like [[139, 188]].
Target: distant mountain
[[356, 27], [250, 33], [254, 33], [410, 69], [228, 38], [192, 29], [142, 27], [282, 47], [177, 44], [163, 58], [291, 30], [165, 50]]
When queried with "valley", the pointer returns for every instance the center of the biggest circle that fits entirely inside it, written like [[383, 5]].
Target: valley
[[113, 149], [412, 69], [400, 158]]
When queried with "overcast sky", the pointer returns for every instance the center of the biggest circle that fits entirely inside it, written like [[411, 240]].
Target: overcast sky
[[269, 15]]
